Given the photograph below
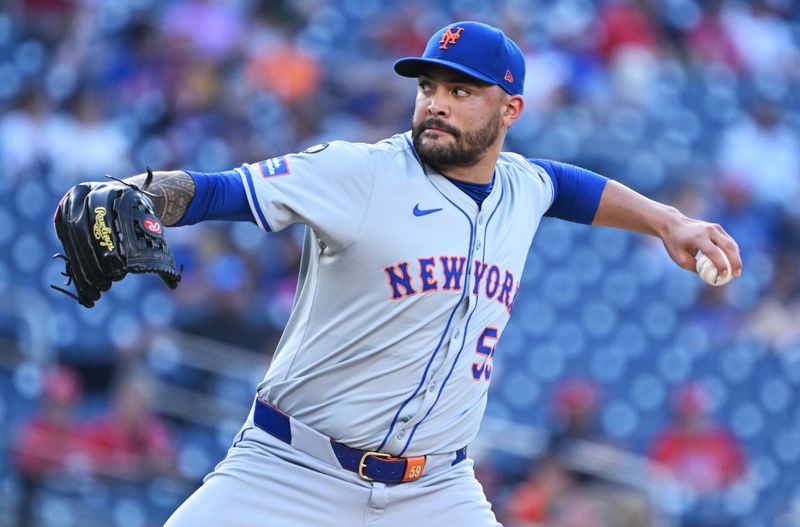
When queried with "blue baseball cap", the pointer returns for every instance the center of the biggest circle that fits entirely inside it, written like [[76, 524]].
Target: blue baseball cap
[[477, 49]]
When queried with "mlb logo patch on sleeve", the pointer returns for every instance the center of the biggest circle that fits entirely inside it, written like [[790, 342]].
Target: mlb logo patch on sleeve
[[277, 166]]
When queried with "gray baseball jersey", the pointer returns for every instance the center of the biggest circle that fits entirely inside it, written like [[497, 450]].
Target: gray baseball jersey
[[405, 288]]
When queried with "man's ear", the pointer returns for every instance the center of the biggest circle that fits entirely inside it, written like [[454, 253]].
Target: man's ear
[[512, 108]]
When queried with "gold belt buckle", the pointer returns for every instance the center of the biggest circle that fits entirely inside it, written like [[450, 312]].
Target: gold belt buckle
[[362, 464]]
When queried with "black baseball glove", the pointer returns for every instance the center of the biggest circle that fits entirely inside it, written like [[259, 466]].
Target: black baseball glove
[[108, 231]]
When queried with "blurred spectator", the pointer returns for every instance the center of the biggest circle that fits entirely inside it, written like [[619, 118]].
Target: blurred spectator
[[141, 68], [47, 19], [628, 40], [48, 445], [551, 497], [130, 442], [287, 71], [96, 145], [699, 453], [210, 29], [776, 318], [760, 157], [576, 403], [762, 36], [403, 33], [625, 24], [81, 142], [573, 483], [27, 132], [199, 94], [566, 70], [709, 41]]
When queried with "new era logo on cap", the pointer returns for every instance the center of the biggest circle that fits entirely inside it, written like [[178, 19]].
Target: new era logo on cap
[[479, 50]]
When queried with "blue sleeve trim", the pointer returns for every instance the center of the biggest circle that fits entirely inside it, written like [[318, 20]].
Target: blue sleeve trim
[[577, 191], [256, 206], [217, 196]]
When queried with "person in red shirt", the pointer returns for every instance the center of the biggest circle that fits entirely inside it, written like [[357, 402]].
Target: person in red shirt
[[130, 442], [48, 444], [699, 453], [626, 24], [709, 40]]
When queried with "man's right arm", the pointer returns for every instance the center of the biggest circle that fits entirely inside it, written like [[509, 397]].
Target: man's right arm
[[683, 237], [171, 194]]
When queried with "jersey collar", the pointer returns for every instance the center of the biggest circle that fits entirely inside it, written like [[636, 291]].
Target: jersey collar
[[451, 190]]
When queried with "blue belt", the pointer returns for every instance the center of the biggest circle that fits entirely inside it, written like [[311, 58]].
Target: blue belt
[[371, 466]]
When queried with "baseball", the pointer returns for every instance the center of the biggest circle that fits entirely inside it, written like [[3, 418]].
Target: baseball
[[708, 272]]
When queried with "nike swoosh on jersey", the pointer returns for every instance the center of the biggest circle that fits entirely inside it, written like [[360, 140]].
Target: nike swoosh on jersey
[[422, 212]]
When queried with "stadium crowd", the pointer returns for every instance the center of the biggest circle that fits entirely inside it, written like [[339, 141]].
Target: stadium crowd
[[693, 102]]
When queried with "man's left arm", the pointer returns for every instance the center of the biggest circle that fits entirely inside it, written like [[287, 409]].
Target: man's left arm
[[682, 236]]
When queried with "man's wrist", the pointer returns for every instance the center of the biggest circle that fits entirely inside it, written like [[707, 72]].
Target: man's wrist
[[171, 192], [666, 219]]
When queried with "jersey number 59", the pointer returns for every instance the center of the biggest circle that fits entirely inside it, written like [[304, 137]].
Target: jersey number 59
[[485, 350]]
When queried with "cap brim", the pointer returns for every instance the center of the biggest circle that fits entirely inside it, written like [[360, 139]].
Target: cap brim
[[412, 66]]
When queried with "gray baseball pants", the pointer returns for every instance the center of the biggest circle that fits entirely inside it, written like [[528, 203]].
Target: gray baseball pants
[[266, 482]]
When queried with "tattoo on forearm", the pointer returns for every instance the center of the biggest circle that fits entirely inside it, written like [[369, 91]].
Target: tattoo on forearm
[[174, 191], [171, 194]]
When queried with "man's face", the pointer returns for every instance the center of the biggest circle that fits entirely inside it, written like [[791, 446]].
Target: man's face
[[456, 118]]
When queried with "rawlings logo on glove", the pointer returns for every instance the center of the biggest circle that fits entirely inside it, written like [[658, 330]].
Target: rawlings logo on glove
[[101, 231], [108, 231]]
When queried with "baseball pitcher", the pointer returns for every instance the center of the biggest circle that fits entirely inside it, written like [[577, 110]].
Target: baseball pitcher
[[414, 252]]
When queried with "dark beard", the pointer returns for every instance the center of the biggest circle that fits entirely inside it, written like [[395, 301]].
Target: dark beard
[[467, 149]]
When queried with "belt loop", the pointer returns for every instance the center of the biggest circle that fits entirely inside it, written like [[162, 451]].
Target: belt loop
[[461, 455], [272, 421]]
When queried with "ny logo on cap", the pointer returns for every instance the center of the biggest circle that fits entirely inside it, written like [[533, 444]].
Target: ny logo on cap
[[448, 37]]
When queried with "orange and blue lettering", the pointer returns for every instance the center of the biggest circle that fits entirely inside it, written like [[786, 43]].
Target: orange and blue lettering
[[480, 269], [489, 279], [505, 293], [398, 281], [429, 283], [453, 267], [492, 281]]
